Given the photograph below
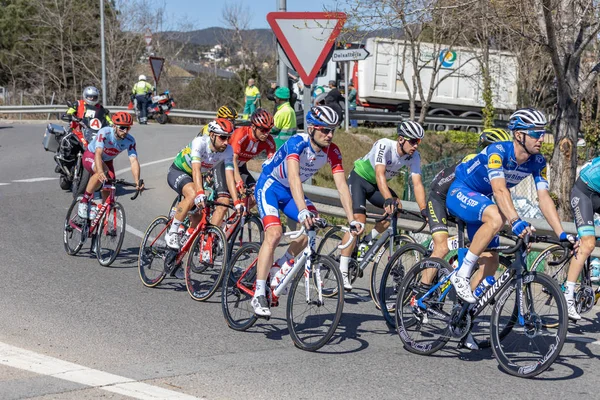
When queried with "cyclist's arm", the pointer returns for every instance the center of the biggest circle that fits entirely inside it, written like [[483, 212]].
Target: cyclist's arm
[[382, 181], [293, 168], [98, 160], [549, 210], [345, 198], [236, 169], [135, 169], [197, 176], [231, 184], [504, 199], [419, 190]]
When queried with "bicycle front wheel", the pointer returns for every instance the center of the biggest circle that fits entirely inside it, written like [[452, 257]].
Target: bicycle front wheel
[[535, 342], [313, 321], [206, 263], [153, 251], [111, 232], [251, 231], [238, 288], [74, 231]]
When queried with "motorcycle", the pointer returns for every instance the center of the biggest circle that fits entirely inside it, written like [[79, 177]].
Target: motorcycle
[[158, 109]]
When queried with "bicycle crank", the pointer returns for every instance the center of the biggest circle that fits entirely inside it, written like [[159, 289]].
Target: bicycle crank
[[584, 299], [459, 327]]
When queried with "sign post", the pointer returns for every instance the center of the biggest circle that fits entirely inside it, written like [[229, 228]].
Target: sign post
[[345, 56], [148, 40], [156, 65]]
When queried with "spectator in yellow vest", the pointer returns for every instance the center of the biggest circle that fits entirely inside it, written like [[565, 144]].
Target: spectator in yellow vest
[[141, 92], [285, 117], [252, 97]]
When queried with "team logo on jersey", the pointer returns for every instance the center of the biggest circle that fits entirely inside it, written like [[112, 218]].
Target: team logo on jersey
[[500, 147], [95, 124], [494, 161], [539, 159]]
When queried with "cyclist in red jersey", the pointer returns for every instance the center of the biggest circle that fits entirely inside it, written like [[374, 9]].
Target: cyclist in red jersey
[[250, 141]]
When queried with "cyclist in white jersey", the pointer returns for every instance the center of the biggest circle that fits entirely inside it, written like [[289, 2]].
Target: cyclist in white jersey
[[368, 181]]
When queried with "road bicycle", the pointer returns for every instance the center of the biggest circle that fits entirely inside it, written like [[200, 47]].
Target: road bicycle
[[106, 229], [551, 262], [528, 318], [387, 241], [315, 300], [207, 247]]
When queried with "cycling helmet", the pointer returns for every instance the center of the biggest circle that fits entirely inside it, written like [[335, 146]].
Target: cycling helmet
[[122, 118], [493, 135], [142, 77], [527, 118], [221, 126], [263, 119], [90, 95], [322, 116], [411, 130], [227, 112]]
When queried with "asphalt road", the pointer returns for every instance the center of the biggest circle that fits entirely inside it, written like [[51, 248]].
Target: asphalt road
[[71, 329]]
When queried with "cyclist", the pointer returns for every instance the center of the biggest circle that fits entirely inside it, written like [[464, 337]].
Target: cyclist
[[203, 154], [223, 112], [249, 141], [368, 181], [279, 187], [585, 201], [91, 113], [98, 158], [141, 92], [492, 173]]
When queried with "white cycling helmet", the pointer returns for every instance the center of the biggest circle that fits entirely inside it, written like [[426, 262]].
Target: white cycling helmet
[[91, 95], [322, 116], [411, 130], [527, 118], [142, 78]]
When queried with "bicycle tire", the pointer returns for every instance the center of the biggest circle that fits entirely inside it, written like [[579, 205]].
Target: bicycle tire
[[406, 322], [533, 328], [151, 248], [297, 306], [396, 272], [204, 280], [74, 230], [239, 318], [105, 234], [252, 231]]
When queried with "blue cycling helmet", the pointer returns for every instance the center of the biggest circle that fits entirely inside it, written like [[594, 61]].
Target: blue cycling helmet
[[322, 116], [527, 118]]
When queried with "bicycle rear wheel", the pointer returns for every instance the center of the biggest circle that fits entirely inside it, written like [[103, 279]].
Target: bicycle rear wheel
[[424, 331], [110, 235], [251, 231], [153, 251], [75, 230], [206, 263], [312, 323], [530, 348], [237, 293], [378, 269], [393, 275]]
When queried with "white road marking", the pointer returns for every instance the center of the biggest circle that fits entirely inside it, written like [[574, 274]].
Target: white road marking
[[145, 164], [34, 180], [4, 184], [134, 231], [16, 357]]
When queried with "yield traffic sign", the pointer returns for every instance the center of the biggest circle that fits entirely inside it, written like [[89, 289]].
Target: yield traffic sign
[[349, 55], [306, 38], [156, 64]]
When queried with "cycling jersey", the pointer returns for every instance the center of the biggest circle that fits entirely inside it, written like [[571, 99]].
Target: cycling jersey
[[384, 152], [590, 174], [498, 161], [247, 147], [298, 148], [111, 145], [199, 151]]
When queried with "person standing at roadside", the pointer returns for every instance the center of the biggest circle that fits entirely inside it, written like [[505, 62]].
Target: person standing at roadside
[[285, 117], [333, 99], [352, 103], [252, 95], [142, 91]]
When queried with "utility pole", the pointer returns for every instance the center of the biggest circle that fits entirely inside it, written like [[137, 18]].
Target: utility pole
[[103, 50], [282, 79]]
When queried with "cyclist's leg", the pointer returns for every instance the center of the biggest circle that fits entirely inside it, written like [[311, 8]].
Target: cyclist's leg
[[88, 162], [248, 181], [110, 169], [182, 183], [436, 210], [223, 196], [290, 209]]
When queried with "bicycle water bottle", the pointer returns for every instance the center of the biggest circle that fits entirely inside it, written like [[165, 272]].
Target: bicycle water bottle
[[275, 268], [173, 212], [280, 275], [483, 286]]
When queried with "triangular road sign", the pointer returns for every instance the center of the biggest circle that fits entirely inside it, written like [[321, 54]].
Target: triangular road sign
[[156, 64], [306, 38]]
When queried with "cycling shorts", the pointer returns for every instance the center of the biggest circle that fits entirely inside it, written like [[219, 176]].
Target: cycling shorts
[[178, 179], [584, 202], [468, 206], [271, 196], [437, 214], [361, 190], [89, 163]]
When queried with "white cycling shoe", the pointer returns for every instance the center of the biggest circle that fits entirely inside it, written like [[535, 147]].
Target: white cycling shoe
[[172, 239], [82, 210], [261, 306], [346, 281], [572, 310], [470, 343], [463, 288]]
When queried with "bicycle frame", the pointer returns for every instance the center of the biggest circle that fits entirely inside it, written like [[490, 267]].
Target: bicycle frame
[[104, 207]]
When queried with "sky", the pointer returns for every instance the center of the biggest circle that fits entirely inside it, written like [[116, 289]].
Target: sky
[[202, 14]]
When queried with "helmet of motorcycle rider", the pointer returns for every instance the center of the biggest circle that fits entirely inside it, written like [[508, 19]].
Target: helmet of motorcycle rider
[[91, 95], [142, 77]]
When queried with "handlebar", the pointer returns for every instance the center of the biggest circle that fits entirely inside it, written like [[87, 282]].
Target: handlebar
[[320, 223], [123, 182], [405, 212], [533, 238]]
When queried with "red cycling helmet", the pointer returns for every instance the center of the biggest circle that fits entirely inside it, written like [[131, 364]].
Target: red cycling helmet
[[122, 118], [262, 119], [221, 126]]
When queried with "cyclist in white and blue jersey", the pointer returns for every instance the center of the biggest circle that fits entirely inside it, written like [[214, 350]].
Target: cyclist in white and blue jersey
[[279, 187], [585, 201], [493, 172]]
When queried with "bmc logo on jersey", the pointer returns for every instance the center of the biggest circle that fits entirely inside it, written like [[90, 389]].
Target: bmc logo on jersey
[[494, 161]]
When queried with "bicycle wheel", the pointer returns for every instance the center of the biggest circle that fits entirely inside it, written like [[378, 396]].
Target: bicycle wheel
[[110, 235], [328, 246], [75, 230], [237, 293], [206, 263], [425, 331], [530, 348], [312, 323], [153, 251], [546, 262], [252, 231], [393, 274], [378, 267]]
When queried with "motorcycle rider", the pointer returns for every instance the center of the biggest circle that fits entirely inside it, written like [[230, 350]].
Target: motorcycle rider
[[91, 113], [142, 91]]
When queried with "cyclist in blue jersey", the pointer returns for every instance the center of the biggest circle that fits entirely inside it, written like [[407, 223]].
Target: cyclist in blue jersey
[[585, 201], [279, 187], [493, 172]]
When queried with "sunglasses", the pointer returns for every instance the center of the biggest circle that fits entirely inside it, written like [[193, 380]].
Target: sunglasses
[[223, 137], [326, 131], [264, 130], [413, 142], [123, 128], [535, 134]]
